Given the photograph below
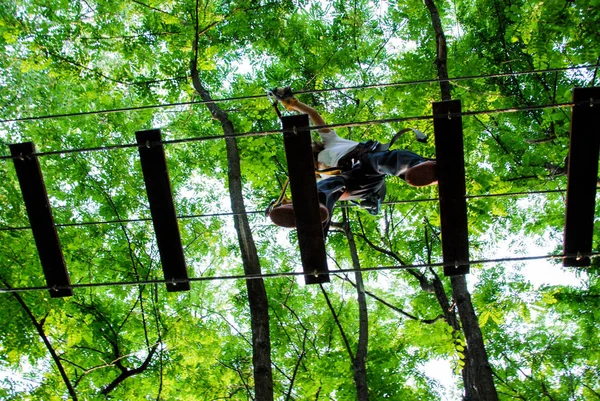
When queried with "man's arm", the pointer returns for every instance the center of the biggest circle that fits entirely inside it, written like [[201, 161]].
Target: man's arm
[[292, 103], [312, 114]]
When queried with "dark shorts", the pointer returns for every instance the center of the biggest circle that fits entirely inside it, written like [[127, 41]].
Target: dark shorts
[[366, 178]]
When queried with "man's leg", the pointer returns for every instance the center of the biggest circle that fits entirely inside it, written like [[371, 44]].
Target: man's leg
[[329, 191], [422, 175], [414, 169]]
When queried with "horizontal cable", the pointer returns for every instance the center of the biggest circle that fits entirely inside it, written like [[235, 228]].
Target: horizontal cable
[[252, 97], [291, 274], [143, 219], [525, 193], [505, 194], [312, 128], [135, 145], [194, 216]]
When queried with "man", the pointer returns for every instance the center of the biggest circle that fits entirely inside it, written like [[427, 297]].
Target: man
[[363, 167]]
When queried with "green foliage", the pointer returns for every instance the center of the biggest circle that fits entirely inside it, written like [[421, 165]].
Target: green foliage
[[66, 57]]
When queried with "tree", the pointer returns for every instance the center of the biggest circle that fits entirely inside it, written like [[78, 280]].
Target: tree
[[477, 373], [138, 341], [257, 296]]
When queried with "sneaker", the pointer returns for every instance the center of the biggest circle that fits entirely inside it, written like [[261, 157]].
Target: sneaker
[[422, 174], [283, 215]]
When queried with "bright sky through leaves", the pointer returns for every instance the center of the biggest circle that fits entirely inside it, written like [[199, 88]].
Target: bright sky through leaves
[[540, 330]]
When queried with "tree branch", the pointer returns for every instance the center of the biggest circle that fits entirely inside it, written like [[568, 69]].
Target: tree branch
[[159, 340], [359, 363], [423, 282], [301, 325], [134, 260], [591, 390], [239, 372], [442, 51], [338, 323], [289, 392], [130, 372], [392, 307], [40, 329], [82, 67], [495, 137], [232, 326], [150, 7]]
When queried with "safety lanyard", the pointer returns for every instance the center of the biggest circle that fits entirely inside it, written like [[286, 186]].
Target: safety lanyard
[[282, 194]]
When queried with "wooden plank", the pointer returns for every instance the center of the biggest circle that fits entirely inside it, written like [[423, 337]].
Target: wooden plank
[[39, 212], [162, 209], [303, 184], [451, 183], [582, 172]]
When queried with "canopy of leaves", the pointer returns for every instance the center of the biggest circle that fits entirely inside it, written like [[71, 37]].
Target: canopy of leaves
[[62, 58]]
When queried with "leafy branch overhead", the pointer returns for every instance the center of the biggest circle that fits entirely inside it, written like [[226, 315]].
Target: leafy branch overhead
[[393, 334]]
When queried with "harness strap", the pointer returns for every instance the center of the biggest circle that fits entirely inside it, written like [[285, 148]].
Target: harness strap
[[329, 171], [277, 109], [282, 194], [420, 138]]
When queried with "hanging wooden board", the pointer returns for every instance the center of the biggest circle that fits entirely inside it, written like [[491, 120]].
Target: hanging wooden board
[[162, 209], [39, 212], [303, 185], [452, 189], [582, 173]]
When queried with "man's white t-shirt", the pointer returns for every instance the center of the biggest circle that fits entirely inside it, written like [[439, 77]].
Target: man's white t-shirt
[[335, 148]]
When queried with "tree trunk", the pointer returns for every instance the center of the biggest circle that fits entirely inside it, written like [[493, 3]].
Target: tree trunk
[[477, 373], [257, 295], [360, 360], [441, 50]]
